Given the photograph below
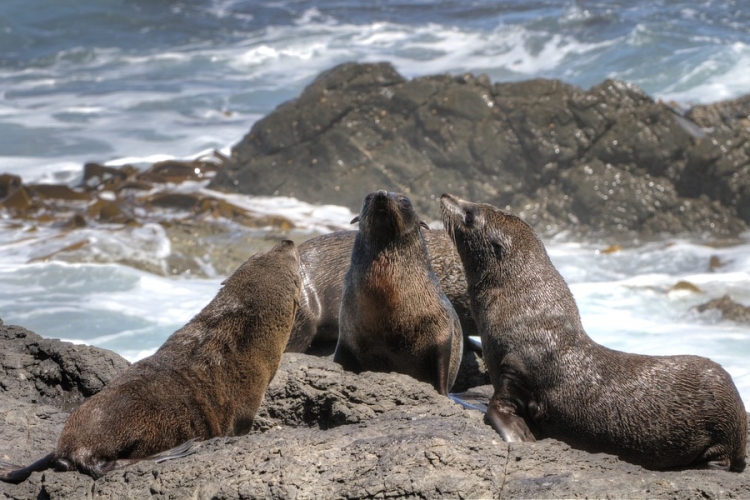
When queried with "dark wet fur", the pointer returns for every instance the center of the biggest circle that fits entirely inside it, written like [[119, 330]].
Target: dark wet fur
[[551, 379]]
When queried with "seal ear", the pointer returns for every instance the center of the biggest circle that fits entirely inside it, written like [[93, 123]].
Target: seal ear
[[498, 248], [424, 225], [355, 220]]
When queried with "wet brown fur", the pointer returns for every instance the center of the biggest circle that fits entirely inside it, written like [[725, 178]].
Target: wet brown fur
[[207, 380], [324, 261], [394, 315], [551, 379]]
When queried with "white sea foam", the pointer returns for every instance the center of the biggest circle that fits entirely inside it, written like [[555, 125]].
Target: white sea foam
[[111, 306], [724, 76], [106, 104]]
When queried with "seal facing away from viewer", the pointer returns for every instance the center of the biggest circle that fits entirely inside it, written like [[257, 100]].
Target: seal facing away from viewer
[[207, 380], [551, 379], [394, 315], [324, 261]]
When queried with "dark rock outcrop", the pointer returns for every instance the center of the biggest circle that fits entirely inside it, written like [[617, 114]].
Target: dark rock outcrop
[[49, 371], [727, 308], [325, 433], [602, 161]]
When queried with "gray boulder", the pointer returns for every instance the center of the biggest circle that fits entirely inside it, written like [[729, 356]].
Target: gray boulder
[[609, 160], [325, 433], [49, 371]]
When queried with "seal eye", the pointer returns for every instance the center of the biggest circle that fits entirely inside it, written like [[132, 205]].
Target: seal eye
[[498, 249], [469, 219], [405, 203]]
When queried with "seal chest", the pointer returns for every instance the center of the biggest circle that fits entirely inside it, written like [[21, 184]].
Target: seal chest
[[324, 261], [394, 315], [207, 380], [551, 379]]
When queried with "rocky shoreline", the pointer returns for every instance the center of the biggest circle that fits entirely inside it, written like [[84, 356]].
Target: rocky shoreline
[[320, 433], [605, 161], [609, 164]]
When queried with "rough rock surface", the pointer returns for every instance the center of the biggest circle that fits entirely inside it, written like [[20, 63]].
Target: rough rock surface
[[727, 308], [49, 371], [325, 433], [608, 160]]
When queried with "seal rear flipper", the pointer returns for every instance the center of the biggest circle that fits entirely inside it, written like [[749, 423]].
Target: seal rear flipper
[[716, 457], [443, 377], [511, 427], [16, 474], [179, 451]]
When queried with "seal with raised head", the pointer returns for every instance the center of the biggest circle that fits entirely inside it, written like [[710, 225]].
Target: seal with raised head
[[394, 315], [324, 261], [551, 380], [208, 379]]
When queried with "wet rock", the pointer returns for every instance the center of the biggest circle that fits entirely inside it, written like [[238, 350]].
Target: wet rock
[[325, 433], [609, 160], [728, 308], [37, 370], [125, 200], [684, 286], [8, 184]]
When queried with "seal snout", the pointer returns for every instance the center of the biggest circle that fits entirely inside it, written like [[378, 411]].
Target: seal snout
[[452, 211], [381, 199], [449, 204]]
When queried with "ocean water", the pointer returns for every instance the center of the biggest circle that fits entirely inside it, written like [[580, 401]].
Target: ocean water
[[136, 81]]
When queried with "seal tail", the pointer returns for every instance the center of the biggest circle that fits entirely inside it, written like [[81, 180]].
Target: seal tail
[[10, 473]]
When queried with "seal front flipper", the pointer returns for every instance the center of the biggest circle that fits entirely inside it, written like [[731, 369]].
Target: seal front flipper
[[346, 358], [456, 399], [16, 474], [448, 358], [511, 427]]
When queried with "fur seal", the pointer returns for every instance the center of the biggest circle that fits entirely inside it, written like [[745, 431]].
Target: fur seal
[[206, 380], [394, 315], [551, 379], [324, 261]]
